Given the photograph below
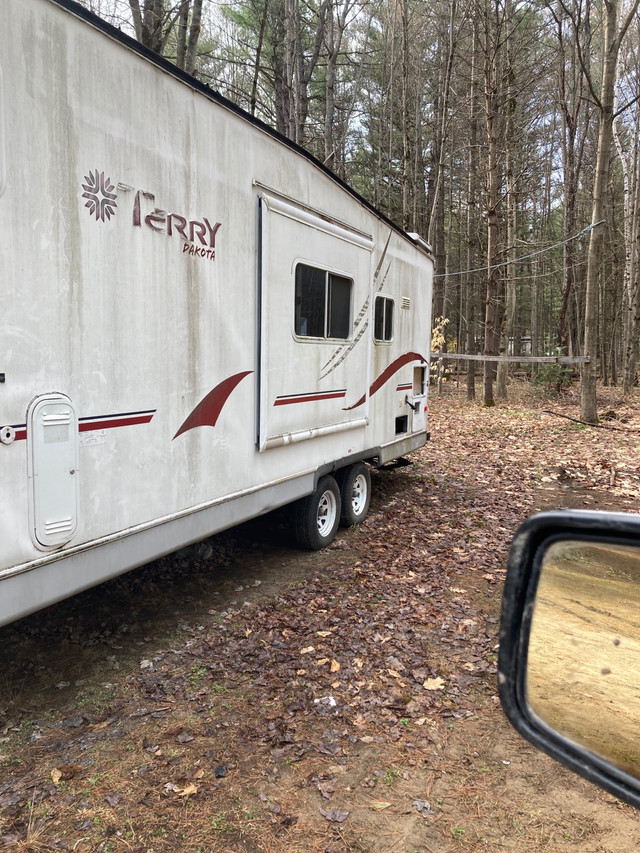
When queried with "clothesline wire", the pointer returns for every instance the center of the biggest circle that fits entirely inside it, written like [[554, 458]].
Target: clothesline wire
[[524, 257]]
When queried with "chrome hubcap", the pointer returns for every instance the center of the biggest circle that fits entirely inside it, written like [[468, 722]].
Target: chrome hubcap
[[327, 509]]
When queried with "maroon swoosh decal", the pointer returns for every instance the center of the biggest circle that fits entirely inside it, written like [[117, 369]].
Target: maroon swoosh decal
[[386, 374], [207, 411]]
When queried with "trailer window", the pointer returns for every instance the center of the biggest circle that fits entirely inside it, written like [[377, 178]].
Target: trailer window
[[323, 303], [383, 319]]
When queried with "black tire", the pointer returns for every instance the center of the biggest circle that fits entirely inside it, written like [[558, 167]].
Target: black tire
[[355, 494], [316, 517]]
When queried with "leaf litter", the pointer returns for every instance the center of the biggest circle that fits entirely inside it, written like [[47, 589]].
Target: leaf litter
[[351, 706]]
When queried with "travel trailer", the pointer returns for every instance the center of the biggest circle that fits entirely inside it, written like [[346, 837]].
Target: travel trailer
[[199, 321]]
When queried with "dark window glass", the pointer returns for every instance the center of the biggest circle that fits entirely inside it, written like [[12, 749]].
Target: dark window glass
[[323, 304], [378, 321], [339, 307], [383, 319], [310, 301], [388, 320]]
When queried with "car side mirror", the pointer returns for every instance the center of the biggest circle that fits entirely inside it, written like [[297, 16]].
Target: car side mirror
[[569, 660]]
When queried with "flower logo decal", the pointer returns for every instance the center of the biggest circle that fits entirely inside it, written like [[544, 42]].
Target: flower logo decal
[[98, 191]]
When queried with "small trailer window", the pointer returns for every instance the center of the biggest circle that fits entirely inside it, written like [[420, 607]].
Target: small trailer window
[[323, 304], [383, 319]]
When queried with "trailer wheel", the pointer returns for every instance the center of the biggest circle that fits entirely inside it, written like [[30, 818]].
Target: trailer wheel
[[355, 494], [318, 515]]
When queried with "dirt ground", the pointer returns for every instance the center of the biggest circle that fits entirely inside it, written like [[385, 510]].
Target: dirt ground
[[244, 696]]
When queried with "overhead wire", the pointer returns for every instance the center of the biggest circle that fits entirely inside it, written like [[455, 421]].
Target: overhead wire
[[524, 257]]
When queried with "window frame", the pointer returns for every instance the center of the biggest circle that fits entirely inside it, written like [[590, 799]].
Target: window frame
[[327, 318]]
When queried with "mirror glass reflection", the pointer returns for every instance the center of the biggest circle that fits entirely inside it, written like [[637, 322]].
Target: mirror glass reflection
[[583, 666]]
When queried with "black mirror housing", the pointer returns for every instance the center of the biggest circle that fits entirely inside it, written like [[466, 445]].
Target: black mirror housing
[[540, 536]]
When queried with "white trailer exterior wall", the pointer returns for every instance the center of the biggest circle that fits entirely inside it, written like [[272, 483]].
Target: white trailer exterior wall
[[158, 382]]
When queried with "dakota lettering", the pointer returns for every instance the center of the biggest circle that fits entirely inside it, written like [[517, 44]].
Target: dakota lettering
[[198, 251]]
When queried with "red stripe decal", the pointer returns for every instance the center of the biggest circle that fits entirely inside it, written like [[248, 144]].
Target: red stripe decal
[[113, 423], [207, 411], [386, 375], [308, 398], [104, 422]]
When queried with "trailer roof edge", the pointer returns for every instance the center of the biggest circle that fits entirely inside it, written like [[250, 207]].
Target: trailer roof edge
[[168, 67]]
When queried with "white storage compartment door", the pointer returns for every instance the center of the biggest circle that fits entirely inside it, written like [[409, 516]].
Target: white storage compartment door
[[52, 435]]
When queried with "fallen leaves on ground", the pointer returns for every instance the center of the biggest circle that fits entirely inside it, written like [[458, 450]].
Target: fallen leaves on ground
[[292, 720]]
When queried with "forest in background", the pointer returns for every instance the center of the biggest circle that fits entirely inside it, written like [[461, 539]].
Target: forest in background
[[503, 132]]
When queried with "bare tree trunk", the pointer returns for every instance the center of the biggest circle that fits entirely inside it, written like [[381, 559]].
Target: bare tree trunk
[[253, 102], [404, 13], [194, 36], [631, 351], [447, 37], [472, 196], [612, 39], [492, 79], [535, 334], [573, 106], [136, 14], [630, 164], [182, 34], [298, 69], [333, 48], [290, 52], [436, 200], [281, 83], [157, 20], [632, 300], [508, 323], [418, 214], [149, 23]]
